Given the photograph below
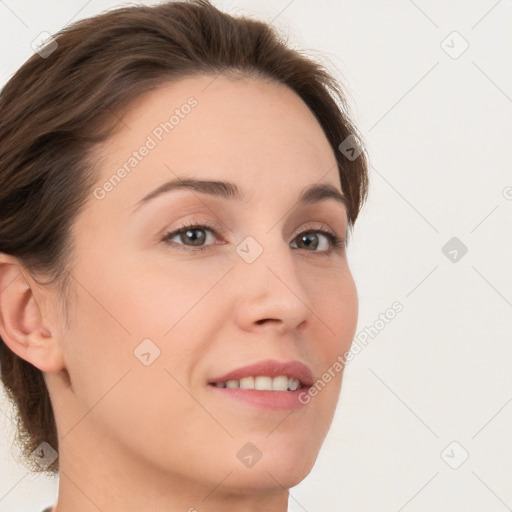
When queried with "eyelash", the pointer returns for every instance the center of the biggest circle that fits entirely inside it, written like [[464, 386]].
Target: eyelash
[[337, 243]]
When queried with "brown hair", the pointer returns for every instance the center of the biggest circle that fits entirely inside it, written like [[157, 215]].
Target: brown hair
[[58, 106]]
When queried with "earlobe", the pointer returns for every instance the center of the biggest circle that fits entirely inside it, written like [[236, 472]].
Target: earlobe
[[22, 326]]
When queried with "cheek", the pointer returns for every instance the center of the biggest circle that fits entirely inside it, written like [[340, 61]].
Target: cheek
[[163, 293], [110, 382], [335, 302], [337, 306]]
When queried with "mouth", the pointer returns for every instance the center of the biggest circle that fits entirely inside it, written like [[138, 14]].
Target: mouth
[[262, 383], [267, 384]]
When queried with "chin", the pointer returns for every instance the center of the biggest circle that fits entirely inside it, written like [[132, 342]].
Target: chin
[[274, 471], [265, 480]]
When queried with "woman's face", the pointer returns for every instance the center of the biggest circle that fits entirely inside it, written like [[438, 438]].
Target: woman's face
[[157, 319]]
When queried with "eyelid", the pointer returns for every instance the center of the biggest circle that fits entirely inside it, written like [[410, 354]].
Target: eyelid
[[210, 226], [312, 226], [336, 241]]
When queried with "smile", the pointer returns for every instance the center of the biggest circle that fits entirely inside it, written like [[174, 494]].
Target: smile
[[268, 384]]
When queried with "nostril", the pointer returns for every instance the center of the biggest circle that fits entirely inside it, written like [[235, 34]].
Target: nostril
[[259, 322]]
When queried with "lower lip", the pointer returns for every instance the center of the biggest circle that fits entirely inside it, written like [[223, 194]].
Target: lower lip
[[274, 400]]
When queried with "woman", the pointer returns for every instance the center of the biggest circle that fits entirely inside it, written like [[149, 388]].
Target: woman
[[177, 188]]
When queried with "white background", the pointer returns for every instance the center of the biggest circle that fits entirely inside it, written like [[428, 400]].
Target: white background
[[439, 132]]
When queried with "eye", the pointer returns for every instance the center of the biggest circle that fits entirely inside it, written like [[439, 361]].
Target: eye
[[312, 239], [193, 233], [192, 237]]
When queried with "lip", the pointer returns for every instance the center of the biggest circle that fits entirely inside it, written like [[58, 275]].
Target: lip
[[270, 400]]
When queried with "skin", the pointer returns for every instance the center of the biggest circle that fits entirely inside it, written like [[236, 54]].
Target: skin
[[135, 437]]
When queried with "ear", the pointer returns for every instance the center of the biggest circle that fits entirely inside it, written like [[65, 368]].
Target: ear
[[22, 325]]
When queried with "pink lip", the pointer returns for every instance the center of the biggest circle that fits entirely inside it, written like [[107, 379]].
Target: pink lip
[[275, 400]]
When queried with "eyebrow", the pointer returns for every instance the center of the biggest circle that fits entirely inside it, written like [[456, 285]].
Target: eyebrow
[[226, 190]]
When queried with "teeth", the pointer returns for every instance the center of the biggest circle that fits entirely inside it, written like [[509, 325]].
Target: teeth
[[247, 383], [293, 384], [263, 383], [280, 383]]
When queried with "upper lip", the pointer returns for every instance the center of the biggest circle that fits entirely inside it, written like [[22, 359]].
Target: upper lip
[[270, 368]]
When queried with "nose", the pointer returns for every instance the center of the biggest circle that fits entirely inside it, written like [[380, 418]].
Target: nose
[[271, 294]]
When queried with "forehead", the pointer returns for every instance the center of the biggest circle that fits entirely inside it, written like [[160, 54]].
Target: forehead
[[248, 131]]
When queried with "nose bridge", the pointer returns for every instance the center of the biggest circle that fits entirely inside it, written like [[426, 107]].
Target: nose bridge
[[267, 254]]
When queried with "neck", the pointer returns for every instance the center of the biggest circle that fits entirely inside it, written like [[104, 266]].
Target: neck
[[102, 480]]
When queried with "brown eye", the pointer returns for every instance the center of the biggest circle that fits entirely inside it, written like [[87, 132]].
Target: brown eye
[[196, 236], [192, 237], [311, 240]]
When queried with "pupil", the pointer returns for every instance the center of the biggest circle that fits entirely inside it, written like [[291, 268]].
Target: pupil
[[314, 243], [196, 240]]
